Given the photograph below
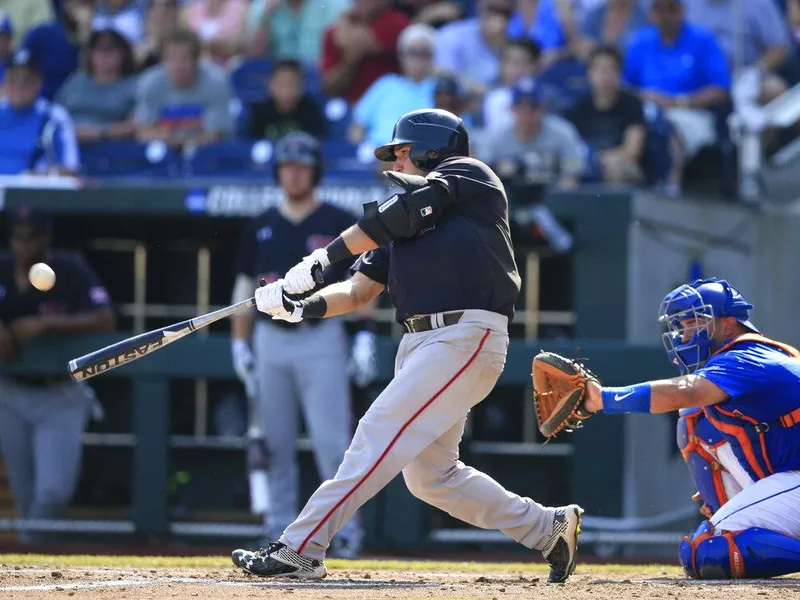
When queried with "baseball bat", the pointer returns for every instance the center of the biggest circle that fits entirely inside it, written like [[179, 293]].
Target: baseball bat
[[133, 348]]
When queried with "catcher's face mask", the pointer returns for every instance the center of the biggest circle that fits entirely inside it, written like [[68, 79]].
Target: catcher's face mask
[[687, 326]]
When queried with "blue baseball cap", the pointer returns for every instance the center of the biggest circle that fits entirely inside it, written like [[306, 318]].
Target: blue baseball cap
[[526, 90], [6, 26], [22, 59]]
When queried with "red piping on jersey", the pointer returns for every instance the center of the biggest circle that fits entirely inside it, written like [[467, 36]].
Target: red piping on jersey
[[391, 444]]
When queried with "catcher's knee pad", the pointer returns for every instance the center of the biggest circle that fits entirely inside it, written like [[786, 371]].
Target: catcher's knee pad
[[695, 436], [752, 553]]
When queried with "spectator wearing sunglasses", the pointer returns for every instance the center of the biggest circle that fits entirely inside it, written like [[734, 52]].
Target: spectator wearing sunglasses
[[395, 94]]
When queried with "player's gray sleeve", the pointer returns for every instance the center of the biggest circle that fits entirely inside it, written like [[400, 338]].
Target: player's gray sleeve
[[149, 98], [217, 116]]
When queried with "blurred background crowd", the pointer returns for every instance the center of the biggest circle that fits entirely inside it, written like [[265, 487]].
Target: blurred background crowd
[[556, 92]]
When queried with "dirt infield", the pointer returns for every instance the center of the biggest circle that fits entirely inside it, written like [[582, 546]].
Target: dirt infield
[[44, 578]]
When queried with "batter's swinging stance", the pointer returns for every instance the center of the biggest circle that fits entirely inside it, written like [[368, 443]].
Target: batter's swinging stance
[[441, 247]]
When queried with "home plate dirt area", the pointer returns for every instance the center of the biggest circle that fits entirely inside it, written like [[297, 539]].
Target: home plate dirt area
[[119, 578]]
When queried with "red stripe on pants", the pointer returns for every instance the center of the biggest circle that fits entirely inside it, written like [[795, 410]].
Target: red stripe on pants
[[388, 449]]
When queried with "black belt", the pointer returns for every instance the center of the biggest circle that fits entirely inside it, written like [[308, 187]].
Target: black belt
[[421, 323]]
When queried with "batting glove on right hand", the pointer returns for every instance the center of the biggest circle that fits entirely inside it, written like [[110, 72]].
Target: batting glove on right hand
[[303, 276], [271, 299]]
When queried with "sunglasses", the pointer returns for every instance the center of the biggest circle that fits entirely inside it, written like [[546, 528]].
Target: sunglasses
[[418, 53]]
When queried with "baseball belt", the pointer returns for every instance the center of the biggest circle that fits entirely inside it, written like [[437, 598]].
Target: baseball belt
[[419, 323]]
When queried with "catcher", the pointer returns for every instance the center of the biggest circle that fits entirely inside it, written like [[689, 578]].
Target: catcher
[[739, 430]]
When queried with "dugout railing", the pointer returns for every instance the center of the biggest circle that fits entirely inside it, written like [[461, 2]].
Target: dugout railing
[[173, 246]]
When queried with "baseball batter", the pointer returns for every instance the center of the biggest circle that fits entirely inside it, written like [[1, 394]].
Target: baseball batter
[[291, 362], [440, 246], [739, 430], [43, 418]]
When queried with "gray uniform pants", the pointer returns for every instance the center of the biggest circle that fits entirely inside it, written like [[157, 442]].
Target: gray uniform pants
[[414, 427], [41, 441], [306, 366]]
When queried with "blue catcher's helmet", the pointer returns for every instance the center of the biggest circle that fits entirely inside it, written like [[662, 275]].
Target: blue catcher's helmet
[[687, 318]]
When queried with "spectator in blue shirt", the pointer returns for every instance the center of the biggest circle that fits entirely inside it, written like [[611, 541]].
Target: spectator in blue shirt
[[56, 46], [37, 135], [681, 68], [541, 21], [393, 95], [6, 36], [470, 49]]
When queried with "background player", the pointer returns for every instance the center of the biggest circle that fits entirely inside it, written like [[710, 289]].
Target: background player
[[291, 362], [43, 417], [445, 257], [749, 389]]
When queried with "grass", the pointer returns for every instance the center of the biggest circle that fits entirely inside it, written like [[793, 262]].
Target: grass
[[222, 562]]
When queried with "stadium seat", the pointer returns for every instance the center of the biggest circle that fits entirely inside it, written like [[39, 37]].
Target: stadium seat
[[249, 79], [233, 158], [338, 115], [312, 80], [563, 83], [108, 159], [344, 160]]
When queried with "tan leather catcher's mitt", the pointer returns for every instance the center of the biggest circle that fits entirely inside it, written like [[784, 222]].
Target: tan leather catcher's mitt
[[559, 392]]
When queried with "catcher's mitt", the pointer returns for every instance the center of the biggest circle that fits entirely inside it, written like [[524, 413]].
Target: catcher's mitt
[[559, 392]]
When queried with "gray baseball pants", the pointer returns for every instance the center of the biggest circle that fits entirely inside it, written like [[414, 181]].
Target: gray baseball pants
[[41, 441], [302, 368], [414, 427]]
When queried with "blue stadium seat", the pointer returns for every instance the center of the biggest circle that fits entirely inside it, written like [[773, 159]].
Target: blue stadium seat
[[231, 159], [563, 83], [342, 161], [313, 80], [338, 115], [249, 79], [132, 158]]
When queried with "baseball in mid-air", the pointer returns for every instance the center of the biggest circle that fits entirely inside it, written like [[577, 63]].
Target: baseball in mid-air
[[42, 276]]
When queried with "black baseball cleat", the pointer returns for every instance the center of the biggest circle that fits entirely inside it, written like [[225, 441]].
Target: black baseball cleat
[[278, 560], [562, 546]]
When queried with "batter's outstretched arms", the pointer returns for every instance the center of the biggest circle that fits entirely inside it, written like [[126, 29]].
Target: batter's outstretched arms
[[333, 300], [418, 204]]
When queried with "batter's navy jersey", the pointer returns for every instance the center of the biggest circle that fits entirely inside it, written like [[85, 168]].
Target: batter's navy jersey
[[271, 244], [77, 289], [464, 261], [763, 384]]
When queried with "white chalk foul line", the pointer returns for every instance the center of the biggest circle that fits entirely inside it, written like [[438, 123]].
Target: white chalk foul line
[[269, 584], [74, 586]]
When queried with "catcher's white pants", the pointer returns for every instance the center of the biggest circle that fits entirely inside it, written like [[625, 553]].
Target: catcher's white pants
[[772, 503], [415, 427]]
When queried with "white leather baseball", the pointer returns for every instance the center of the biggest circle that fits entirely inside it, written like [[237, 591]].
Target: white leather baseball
[[42, 277]]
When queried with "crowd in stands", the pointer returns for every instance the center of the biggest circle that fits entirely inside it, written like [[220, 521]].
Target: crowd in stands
[[555, 92]]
